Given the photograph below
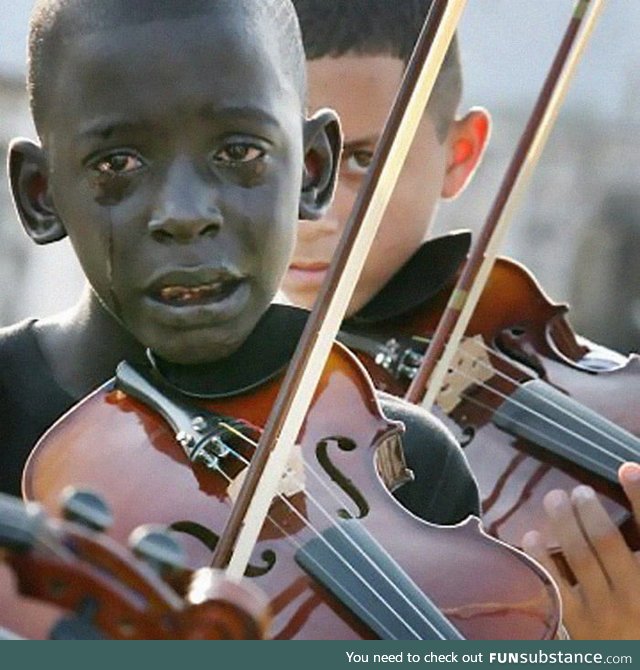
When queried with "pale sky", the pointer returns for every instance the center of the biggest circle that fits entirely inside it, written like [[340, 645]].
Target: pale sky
[[507, 47]]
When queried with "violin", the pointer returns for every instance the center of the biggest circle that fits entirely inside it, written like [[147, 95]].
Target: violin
[[64, 580], [333, 556], [535, 406]]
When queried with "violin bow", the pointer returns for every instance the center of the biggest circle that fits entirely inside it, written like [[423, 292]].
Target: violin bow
[[455, 319], [303, 374]]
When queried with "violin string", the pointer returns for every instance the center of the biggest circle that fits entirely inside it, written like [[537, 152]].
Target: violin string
[[293, 541], [305, 522], [595, 446], [330, 547], [520, 384], [568, 448], [547, 401], [567, 412], [331, 520]]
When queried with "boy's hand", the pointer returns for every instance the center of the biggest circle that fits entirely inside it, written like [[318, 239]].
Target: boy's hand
[[604, 604]]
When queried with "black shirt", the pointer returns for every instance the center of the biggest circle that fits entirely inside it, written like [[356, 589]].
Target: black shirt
[[443, 491], [30, 400]]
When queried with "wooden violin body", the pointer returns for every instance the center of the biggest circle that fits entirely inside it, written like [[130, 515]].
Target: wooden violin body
[[524, 338], [319, 555]]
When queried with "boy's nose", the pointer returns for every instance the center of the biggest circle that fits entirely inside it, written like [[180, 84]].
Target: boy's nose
[[182, 227], [185, 209]]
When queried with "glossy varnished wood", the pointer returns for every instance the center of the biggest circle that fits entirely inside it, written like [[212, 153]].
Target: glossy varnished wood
[[116, 446], [528, 336]]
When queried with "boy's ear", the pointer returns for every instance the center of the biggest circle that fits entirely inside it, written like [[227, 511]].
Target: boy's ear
[[30, 189], [322, 144], [466, 143]]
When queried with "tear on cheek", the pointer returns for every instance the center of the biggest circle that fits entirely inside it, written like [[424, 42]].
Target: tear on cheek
[[109, 190], [256, 175], [110, 260]]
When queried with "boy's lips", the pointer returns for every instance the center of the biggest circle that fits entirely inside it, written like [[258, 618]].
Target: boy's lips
[[197, 294], [202, 294], [301, 272]]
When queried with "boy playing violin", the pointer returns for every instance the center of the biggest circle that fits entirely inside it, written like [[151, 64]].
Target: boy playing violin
[[356, 55], [175, 153]]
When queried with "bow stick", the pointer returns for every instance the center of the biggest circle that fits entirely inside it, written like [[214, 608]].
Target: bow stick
[[302, 377], [463, 300]]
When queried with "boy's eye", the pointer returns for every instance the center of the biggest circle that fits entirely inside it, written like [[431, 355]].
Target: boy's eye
[[359, 162], [238, 152], [118, 164]]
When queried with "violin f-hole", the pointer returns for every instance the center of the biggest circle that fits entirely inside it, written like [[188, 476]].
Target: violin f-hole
[[210, 540], [339, 478]]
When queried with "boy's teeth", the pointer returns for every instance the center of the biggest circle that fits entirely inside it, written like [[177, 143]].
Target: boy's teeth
[[189, 293]]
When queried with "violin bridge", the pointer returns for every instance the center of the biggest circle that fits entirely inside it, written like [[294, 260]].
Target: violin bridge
[[292, 480], [391, 464], [471, 366]]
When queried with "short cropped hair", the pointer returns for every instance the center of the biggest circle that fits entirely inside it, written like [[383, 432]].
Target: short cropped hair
[[333, 28], [50, 19]]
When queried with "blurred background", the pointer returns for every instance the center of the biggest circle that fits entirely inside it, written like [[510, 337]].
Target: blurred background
[[578, 226]]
